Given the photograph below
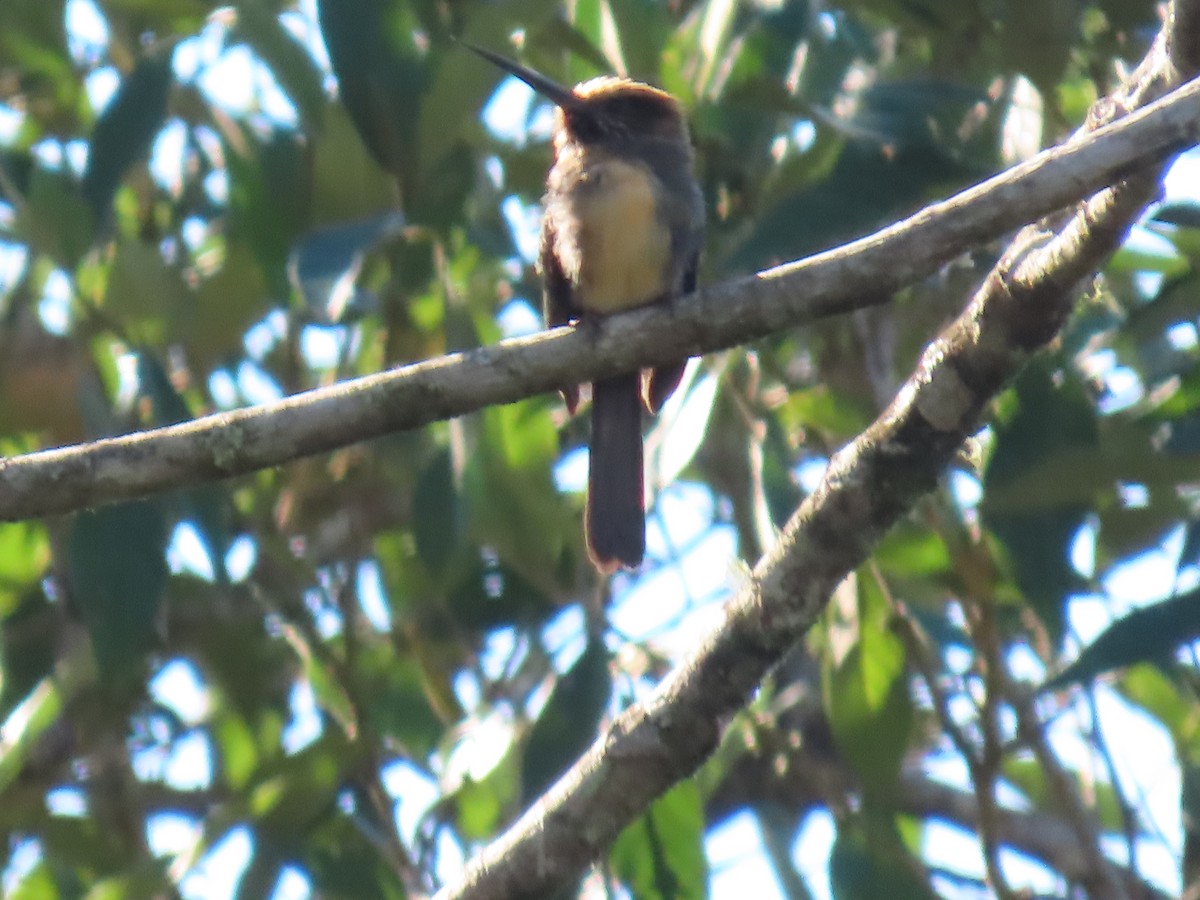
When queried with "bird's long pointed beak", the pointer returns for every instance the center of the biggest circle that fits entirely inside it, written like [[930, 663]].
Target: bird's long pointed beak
[[551, 90]]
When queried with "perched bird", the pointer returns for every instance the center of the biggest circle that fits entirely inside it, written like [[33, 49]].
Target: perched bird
[[622, 227]]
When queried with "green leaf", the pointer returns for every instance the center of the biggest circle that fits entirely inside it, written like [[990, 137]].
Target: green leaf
[[161, 16], [911, 551], [56, 219], [28, 635], [348, 184], [327, 687], [37, 884], [142, 288], [643, 27], [1175, 302], [512, 503], [299, 790], [125, 129], [85, 843], [490, 594], [864, 683], [1185, 214], [146, 879], [216, 317], [1037, 39], [33, 48], [394, 691], [480, 805], [1128, 531], [661, 855], [820, 408], [865, 188], [118, 576], [26, 726], [440, 199], [1124, 15], [1129, 259], [459, 82], [244, 664], [1148, 687], [24, 555], [236, 747], [568, 724]]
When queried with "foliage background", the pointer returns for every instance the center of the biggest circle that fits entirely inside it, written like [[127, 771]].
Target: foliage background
[[344, 675]]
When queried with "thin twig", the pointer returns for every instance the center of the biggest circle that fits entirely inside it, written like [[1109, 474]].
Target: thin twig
[[1064, 792], [982, 769], [1129, 823]]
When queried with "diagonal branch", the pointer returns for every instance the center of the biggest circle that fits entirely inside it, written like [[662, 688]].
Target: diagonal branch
[[859, 274], [868, 487]]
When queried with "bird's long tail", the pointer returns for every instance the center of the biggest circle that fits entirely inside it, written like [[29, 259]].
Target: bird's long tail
[[615, 521]]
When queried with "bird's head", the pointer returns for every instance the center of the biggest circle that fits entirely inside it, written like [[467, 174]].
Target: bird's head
[[603, 109]]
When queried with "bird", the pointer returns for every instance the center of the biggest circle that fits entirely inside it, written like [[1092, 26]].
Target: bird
[[622, 227]]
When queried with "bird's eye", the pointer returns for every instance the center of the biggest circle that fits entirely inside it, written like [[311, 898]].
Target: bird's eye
[[587, 127]]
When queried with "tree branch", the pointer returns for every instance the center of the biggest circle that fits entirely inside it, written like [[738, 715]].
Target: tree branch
[[850, 277], [868, 487]]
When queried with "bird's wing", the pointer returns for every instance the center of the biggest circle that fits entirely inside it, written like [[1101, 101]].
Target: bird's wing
[[663, 380], [558, 307]]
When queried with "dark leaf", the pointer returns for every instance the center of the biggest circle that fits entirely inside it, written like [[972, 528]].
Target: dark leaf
[[1151, 634], [869, 185], [1185, 215], [1050, 420], [397, 701], [438, 525], [269, 197], [343, 863], [568, 723], [869, 861], [125, 129], [118, 577], [381, 75], [28, 635]]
